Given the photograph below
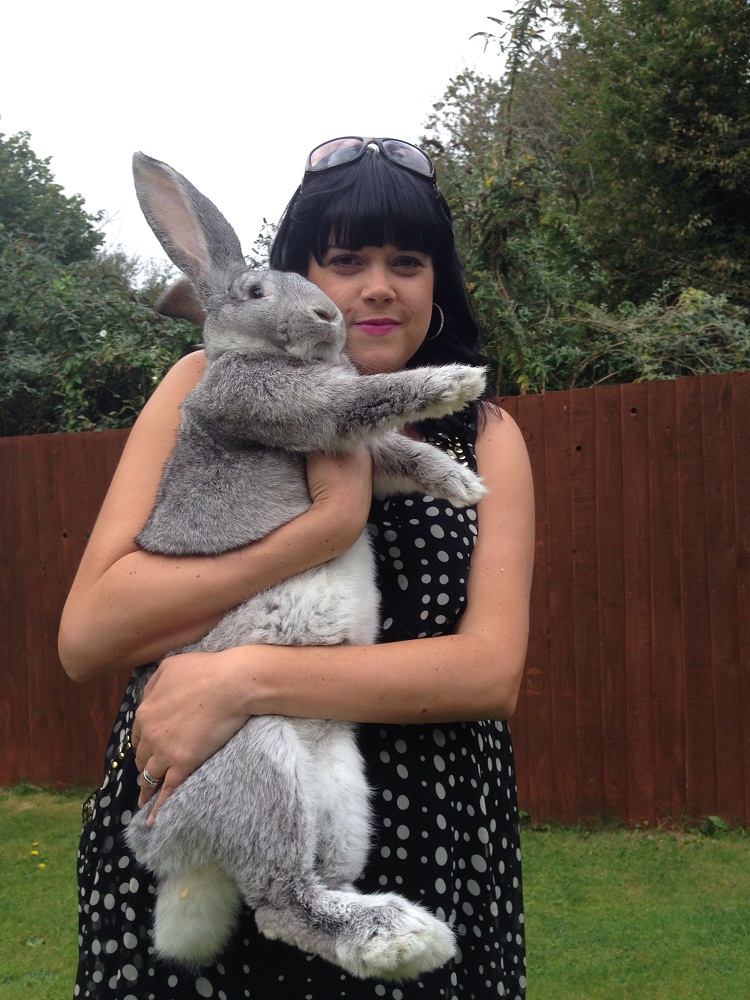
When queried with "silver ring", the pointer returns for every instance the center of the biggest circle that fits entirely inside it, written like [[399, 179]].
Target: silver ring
[[150, 781]]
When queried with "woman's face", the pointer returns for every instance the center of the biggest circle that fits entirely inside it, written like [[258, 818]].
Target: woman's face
[[385, 296]]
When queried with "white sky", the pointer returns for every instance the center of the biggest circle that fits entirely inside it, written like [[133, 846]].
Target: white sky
[[233, 95]]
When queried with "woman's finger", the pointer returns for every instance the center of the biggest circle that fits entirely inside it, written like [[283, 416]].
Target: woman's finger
[[167, 788], [150, 781]]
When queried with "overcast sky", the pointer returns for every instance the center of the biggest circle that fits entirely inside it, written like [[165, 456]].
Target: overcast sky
[[233, 95]]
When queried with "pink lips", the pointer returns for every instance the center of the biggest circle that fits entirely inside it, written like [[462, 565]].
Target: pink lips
[[378, 327]]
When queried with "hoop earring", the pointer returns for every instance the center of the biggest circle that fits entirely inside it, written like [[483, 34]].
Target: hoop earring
[[442, 321]]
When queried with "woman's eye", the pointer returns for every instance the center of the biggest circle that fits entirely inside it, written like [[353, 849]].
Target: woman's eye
[[408, 263], [344, 260], [345, 263]]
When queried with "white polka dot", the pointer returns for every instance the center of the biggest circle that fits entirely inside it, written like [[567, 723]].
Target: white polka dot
[[203, 988]]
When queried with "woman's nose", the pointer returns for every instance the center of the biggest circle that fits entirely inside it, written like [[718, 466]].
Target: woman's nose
[[377, 285]]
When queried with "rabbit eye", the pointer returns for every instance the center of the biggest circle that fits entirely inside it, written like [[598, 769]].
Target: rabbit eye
[[255, 292]]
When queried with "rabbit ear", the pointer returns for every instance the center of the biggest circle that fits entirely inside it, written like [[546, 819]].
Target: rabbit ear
[[195, 235], [180, 300]]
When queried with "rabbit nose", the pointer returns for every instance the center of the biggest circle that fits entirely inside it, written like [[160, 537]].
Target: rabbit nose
[[325, 314]]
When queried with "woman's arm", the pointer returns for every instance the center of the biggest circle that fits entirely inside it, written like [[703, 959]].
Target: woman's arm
[[196, 701], [127, 607]]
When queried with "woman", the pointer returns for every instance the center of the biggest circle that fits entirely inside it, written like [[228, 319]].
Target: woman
[[368, 226]]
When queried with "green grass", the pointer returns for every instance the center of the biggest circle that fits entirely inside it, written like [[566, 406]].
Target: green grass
[[38, 905], [631, 914], [611, 914]]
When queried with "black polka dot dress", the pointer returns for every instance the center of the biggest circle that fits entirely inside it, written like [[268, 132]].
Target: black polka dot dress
[[446, 821]]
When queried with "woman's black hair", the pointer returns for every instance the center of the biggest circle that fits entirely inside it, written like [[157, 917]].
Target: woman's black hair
[[373, 202]]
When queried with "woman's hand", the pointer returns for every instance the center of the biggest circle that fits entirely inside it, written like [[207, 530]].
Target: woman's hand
[[191, 707], [342, 486]]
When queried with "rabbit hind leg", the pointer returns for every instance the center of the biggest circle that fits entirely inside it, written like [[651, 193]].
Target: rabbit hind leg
[[342, 808], [380, 936]]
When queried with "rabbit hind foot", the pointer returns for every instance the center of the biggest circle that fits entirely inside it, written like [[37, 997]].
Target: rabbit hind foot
[[381, 936], [407, 944]]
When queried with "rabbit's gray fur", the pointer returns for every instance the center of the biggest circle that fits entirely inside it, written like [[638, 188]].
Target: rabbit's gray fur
[[280, 816]]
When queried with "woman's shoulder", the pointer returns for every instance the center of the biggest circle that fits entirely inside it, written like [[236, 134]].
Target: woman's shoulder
[[185, 373], [170, 393], [499, 435]]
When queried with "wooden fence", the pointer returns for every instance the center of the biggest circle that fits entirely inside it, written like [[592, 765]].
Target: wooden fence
[[636, 700]]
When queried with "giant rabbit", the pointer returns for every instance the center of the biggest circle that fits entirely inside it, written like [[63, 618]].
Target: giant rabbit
[[280, 816]]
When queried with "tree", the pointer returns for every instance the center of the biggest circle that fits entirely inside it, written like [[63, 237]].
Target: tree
[[34, 209], [600, 190], [526, 260], [655, 98], [81, 347]]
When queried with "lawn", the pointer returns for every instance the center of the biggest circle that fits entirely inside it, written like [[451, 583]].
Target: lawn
[[610, 914], [619, 914]]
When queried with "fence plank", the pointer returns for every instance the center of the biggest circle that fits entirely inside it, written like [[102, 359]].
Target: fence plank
[[14, 691], [587, 639], [722, 593], [666, 605], [560, 575], [741, 466], [637, 582], [610, 600], [700, 736]]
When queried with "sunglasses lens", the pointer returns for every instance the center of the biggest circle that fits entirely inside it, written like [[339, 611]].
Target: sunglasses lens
[[348, 148], [409, 156], [331, 154]]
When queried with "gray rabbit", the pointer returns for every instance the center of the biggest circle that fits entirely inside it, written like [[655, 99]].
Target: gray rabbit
[[280, 816]]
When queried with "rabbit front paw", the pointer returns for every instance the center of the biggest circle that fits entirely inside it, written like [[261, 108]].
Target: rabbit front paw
[[460, 487], [454, 386]]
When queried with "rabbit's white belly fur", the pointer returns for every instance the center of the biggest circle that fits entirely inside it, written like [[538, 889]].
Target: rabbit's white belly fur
[[331, 604]]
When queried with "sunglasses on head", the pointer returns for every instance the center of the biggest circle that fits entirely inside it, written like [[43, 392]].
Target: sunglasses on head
[[349, 148]]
